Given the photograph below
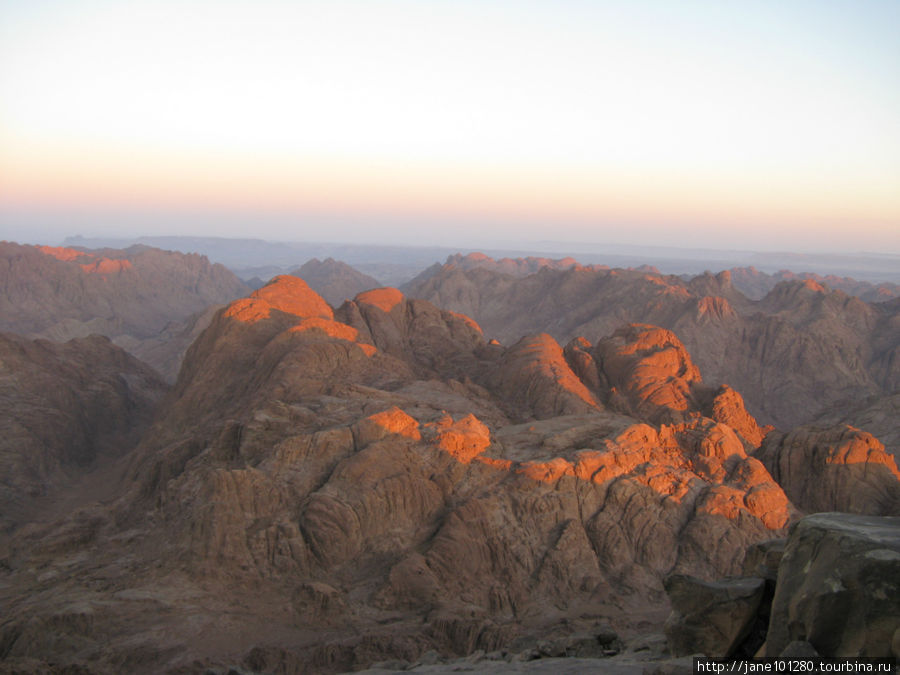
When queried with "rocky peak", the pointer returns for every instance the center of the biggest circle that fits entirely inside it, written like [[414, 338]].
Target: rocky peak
[[334, 280], [651, 369], [285, 293], [533, 375], [839, 468], [727, 406], [427, 338], [712, 284]]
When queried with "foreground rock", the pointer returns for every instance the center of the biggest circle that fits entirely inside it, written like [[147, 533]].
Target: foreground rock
[[711, 618], [838, 587]]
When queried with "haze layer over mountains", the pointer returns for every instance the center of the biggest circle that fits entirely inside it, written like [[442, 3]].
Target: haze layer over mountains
[[322, 474]]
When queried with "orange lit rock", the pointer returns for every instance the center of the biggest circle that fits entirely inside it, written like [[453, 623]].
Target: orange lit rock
[[107, 266], [533, 374], [465, 438], [547, 472], [652, 369], [728, 407], [430, 340], [500, 464], [384, 299], [334, 329], [836, 469], [62, 253], [469, 321], [386, 423], [284, 293]]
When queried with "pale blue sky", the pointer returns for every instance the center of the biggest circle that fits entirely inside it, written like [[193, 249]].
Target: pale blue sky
[[774, 124]]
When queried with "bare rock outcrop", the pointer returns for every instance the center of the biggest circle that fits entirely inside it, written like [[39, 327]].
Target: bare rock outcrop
[[712, 617], [534, 375], [877, 415], [339, 487], [727, 406], [834, 469], [838, 587], [651, 369], [429, 339]]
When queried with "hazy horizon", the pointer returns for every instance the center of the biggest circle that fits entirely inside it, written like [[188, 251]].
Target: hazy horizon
[[766, 126]]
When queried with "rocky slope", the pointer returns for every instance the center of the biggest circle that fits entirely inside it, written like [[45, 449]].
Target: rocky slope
[[67, 408], [144, 299], [799, 351], [334, 280], [328, 488], [877, 414], [839, 468]]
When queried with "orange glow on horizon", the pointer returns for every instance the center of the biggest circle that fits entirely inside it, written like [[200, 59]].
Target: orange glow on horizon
[[421, 192]]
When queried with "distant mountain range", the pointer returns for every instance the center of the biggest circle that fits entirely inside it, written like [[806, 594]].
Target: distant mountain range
[[396, 264], [792, 354], [146, 300]]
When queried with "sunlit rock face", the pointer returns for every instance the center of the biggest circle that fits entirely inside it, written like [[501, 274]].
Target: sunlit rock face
[[534, 376], [793, 353], [834, 469], [373, 481], [651, 370]]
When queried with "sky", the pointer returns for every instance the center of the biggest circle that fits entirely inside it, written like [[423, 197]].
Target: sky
[[761, 125]]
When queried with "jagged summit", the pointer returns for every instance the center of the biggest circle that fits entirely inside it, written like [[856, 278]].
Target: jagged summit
[[334, 280]]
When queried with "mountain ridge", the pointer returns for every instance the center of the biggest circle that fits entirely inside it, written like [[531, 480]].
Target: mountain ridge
[[360, 482], [147, 300], [800, 338]]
